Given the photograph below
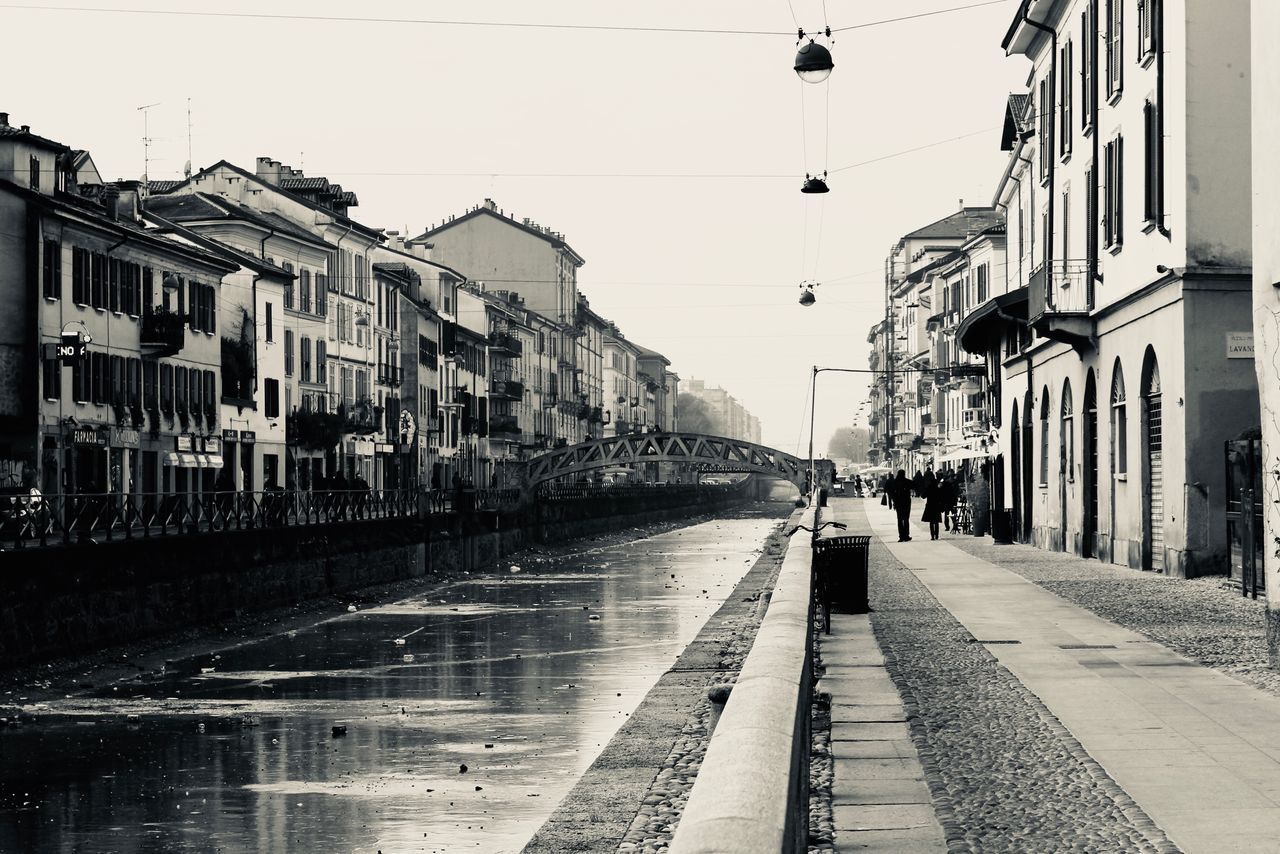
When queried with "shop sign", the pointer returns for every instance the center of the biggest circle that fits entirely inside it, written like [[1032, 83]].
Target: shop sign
[[384, 448], [230, 436], [248, 437], [213, 445], [183, 443], [72, 348], [124, 437], [88, 436], [1239, 345]]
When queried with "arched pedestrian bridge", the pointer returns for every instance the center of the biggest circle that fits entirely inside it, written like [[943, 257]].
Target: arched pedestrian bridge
[[714, 452]]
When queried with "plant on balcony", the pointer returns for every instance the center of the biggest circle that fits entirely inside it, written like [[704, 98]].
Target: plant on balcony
[[237, 369], [153, 420], [161, 326], [315, 431]]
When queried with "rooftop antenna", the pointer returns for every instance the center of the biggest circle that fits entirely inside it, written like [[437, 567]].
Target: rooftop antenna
[[146, 148], [186, 170]]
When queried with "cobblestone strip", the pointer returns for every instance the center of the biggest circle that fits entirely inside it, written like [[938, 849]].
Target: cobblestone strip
[[625, 803], [655, 822], [822, 822], [1004, 773]]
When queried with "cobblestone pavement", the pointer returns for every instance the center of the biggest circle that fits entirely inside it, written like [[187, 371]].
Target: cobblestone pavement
[[1004, 773], [822, 826], [1203, 618]]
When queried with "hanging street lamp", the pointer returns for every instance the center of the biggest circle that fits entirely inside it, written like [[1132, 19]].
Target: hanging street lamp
[[814, 184], [807, 296], [813, 61]]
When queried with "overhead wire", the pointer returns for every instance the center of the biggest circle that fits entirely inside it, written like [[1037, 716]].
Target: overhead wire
[[357, 19]]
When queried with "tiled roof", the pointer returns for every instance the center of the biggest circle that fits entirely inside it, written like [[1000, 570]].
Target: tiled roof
[[963, 223], [162, 186], [304, 184], [189, 207], [301, 199], [536, 232], [10, 132], [1018, 121]]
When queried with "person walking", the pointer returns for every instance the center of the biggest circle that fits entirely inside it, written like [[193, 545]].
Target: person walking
[[900, 490], [934, 501]]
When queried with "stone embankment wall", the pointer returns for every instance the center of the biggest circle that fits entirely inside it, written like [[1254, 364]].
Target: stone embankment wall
[[63, 600]]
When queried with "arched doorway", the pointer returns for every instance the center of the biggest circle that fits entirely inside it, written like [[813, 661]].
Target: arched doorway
[[1015, 457], [1089, 488], [1153, 466], [1066, 457]]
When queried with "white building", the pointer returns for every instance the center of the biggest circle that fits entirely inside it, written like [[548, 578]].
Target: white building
[[1129, 265]]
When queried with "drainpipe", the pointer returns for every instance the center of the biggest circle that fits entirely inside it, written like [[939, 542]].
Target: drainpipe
[[262, 254], [1157, 26]]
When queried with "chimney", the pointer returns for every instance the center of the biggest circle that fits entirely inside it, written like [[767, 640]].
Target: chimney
[[490, 204], [268, 170], [962, 204], [122, 201]]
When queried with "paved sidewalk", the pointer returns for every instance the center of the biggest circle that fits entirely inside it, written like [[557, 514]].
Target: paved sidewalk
[[879, 798], [1198, 751]]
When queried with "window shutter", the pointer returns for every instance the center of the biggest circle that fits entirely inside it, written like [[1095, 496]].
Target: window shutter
[[1119, 212], [1117, 45]]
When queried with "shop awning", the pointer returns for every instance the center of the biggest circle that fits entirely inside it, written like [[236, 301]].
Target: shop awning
[[188, 461], [171, 459], [213, 461], [987, 322]]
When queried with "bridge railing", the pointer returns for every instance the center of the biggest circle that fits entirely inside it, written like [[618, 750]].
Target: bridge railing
[[32, 521], [561, 492]]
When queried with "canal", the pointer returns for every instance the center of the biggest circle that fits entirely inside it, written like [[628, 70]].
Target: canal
[[454, 720]]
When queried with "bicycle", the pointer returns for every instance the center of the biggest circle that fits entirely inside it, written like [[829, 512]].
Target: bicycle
[[818, 580]]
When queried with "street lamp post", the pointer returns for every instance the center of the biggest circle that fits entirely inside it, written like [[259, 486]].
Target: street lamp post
[[813, 409]]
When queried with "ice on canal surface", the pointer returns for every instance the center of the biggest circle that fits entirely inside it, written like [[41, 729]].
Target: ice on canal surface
[[521, 678]]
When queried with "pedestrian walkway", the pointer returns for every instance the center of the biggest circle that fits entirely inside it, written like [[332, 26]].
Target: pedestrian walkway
[[879, 798], [1198, 751]]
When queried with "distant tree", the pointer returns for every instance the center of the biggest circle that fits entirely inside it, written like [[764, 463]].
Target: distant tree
[[849, 443], [697, 417]]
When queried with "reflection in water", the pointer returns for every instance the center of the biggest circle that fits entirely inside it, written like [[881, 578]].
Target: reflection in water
[[521, 678]]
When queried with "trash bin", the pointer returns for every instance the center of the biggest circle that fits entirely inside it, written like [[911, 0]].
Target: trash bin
[[822, 498], [841, 564], [1002, 526]]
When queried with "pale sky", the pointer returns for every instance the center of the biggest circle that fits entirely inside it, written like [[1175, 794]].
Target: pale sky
[[672, 162]]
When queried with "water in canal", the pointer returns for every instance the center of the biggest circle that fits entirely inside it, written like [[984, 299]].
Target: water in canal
[[469, 713]]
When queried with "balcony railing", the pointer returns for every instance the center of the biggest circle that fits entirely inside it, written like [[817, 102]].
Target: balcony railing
[[391, 375], [506, 389], [506, 342], [163, 332], [1059, 299]]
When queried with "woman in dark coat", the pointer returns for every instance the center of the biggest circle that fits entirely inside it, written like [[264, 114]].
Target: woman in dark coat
[[934, 504], [900, 496]]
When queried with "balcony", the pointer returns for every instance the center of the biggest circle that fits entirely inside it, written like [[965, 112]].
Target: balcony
[[506, 389], [505, 342], [504, 426], [974, 421], [1060, 299], [390, 375], [163, 333]]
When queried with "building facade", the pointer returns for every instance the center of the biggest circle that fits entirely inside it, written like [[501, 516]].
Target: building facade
[[1129, 265]]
